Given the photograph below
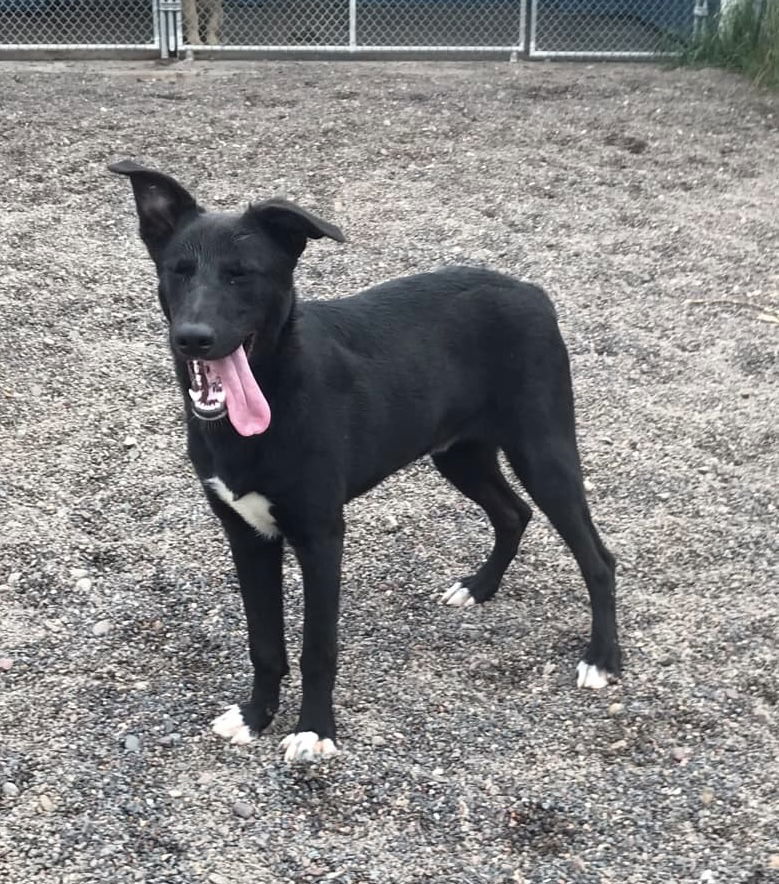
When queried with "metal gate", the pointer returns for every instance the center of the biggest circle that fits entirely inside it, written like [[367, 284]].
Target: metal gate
[[612, 28], [353, 27], [349, 28], [112, 27]]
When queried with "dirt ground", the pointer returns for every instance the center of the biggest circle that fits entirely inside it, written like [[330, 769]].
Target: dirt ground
[[645, 201]]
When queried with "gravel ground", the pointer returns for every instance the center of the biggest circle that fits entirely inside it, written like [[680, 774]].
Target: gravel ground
[[645, 201]]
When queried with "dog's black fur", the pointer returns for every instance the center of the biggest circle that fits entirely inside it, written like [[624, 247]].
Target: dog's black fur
[[458, 363]]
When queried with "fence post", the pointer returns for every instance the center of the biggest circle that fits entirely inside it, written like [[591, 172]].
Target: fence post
[[352, 25], [167, 14]]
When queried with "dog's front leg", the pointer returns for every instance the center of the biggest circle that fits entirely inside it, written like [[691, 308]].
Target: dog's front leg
[[258, 562], [319, 556]]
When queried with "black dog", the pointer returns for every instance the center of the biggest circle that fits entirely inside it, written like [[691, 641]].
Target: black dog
[[295, 409]]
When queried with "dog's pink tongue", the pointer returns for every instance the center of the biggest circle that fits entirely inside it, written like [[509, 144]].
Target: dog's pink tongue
[[247, 408]]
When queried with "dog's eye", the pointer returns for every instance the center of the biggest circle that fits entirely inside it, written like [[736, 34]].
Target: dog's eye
[[235, 274], [183, 268]]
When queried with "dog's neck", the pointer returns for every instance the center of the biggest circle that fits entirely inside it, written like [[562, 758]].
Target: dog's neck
[[277, 347]]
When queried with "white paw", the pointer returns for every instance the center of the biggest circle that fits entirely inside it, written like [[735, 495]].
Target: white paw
[[306, 746], [232, 727], [458, 596], [588, 676]]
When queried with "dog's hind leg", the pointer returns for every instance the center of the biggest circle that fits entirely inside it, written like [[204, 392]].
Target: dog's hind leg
[[214, 16], [190, 15], [473, 468], [547, 463]]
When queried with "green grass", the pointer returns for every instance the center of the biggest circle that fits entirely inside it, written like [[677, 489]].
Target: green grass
[[746, 39]]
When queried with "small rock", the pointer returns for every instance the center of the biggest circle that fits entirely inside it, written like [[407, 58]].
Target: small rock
[[5, 664], [10, 790], [707, 796], [14, 578], [664, 495], [390, 524], [170, 740], [216, 878], [773, 861], [378, 741], [243, 809], [101, 627], [707, 876], [130, 442], [78, 573], [620, 744], [132, 743], [46, 803], [616, 709], [84, 584], [680, 753], [588, 485]]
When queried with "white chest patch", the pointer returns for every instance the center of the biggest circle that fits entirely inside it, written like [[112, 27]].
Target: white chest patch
[[252, 508]]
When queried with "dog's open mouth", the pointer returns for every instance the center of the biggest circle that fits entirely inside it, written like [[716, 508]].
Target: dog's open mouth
[[226, 387], [209, 401]]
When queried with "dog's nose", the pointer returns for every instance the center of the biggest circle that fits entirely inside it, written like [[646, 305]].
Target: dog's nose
[[194, 340]]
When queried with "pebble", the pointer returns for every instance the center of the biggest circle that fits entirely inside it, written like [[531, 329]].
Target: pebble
[[390, 524], [170, 739], [83, 584], [78, 573], [14, 578], [680, 753], [101, 627], [243, 809], [378, 741], [130, 442], [10, 790], [46, 803], [5, 664], [707, 796], [132, 743], [616, 709], [216, 878]]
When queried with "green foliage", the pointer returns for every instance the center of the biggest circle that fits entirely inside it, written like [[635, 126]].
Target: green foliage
[[744, 38]]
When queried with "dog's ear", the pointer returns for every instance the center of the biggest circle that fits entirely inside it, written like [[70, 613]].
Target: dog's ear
[[290, 225], [162, 203]]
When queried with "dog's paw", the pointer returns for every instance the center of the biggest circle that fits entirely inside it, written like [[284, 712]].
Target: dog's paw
[[458, 596], [588, 675], [306, 746], [232, 727]]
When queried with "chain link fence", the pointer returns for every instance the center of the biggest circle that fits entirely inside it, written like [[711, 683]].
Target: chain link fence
[[539, 28], [380, 25], [625, 28], [77, 23]]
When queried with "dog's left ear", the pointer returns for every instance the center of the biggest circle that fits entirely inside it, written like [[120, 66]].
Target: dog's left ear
[[290, 225], [162, 203]]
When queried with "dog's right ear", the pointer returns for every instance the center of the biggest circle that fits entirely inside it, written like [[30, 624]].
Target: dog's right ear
[[162, 203]]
